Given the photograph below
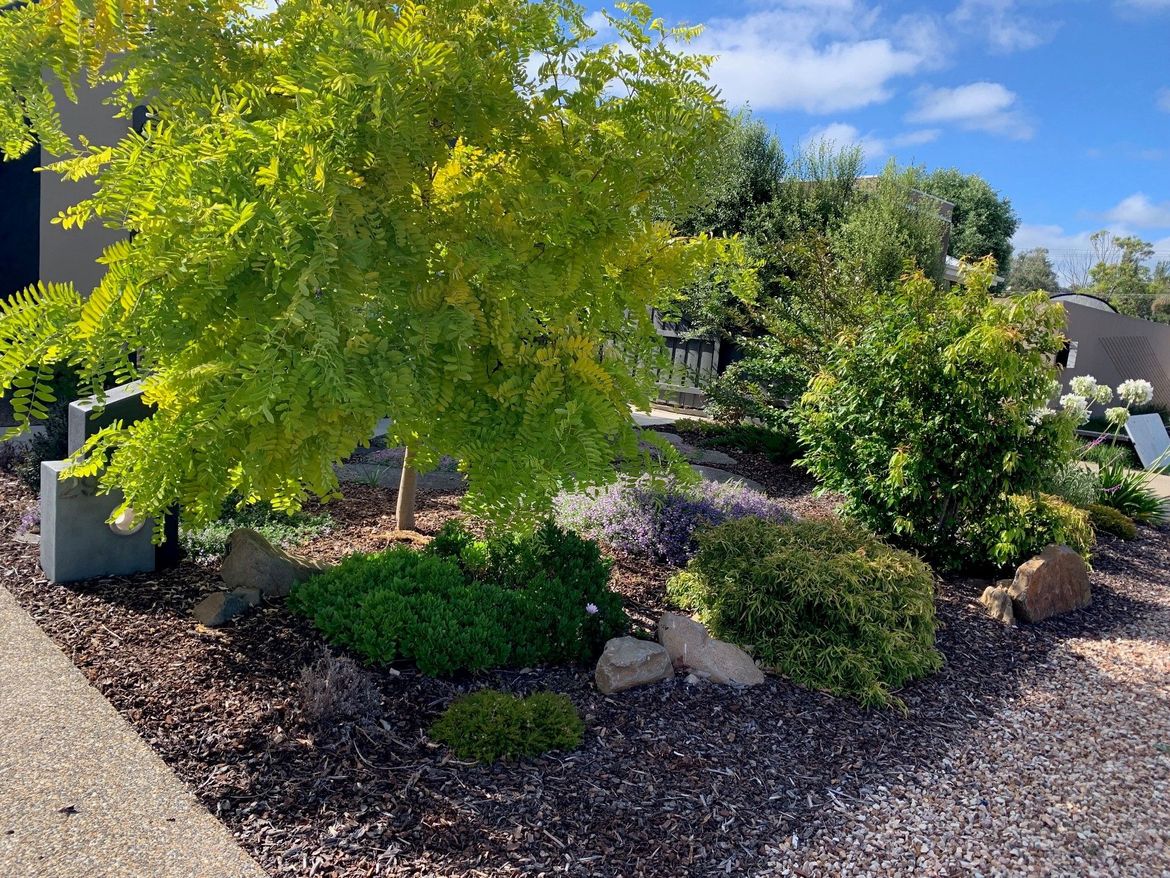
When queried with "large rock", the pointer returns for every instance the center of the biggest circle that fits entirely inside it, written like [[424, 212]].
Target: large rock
[[627, 662], [221, 607], [997, 600], [689, 645], [253, 562], [1055, 581]]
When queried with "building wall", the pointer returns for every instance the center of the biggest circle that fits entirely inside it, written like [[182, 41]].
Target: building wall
[[1113, 348], [71, 254]]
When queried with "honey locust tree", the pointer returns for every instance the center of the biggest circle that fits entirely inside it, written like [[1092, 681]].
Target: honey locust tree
[[456, 214]]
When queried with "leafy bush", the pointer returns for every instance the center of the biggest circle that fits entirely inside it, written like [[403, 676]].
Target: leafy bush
[[209, 541], [1128, 491], [779, 444], [489, 725], [657, 518], [1111, 521], [467, 605], [823, 601], [1024, 525], [930, 416], [762, 386], [1075, 484]]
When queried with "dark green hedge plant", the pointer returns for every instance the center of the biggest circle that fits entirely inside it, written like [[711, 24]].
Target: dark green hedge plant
[[822, 601], [468, 605], [490, 725], [1108, 520], [933, 414]]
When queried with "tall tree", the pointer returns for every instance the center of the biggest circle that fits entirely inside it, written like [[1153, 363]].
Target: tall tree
[[1032, 270], [983, 222], [1122, 275], [451, 214]]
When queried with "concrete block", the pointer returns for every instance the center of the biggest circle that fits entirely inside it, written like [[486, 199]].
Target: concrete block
[[76, 541], [88, 416]]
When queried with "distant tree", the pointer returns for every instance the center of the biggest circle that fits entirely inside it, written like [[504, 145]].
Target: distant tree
[[1122, 275], [983, 222], [1032, 270]]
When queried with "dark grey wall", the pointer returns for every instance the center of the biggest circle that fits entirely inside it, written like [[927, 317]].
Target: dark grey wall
[[1113, 348], [20, 205]]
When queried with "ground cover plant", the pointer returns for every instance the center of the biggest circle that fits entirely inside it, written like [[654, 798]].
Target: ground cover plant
[[779, 444], [489, 725], [469, 605], [823, 601], [207, 542], [657, 518]]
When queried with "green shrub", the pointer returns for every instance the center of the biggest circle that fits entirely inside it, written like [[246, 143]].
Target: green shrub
[[1111, 521], [468, 605], [779, 444], [1074, 484], [820, 600], [489, 725], [1128, 491], [1024, 525], [209, 541], [933, 412]]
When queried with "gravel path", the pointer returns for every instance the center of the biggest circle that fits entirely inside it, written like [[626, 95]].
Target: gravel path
[[1073, 778]]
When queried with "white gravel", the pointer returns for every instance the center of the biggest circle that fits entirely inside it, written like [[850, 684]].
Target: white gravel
[[1072, 778]]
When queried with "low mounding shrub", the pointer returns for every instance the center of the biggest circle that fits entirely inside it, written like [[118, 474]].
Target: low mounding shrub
[[1074, 484], [489, 725], [1129, 492], [1109, 520], [1024, 525], [468, 605], [657, 518], [823, 601], [207, 542], [335, 689]]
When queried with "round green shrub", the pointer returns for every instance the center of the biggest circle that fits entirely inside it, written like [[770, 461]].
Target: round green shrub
[[1111, 521], [823, 601], [1024, 525], [470, 605], [490, 725]]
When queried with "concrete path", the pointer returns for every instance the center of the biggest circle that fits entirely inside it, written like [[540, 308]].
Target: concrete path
[[81, 795]]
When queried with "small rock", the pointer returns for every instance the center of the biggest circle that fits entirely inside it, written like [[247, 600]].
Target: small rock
[[253, 562], [223, 606], [693, 679], [997, 600], [1055, 581], [689, 645], [627, 662]]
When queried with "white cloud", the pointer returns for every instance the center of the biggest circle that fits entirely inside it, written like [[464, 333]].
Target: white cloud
[[1001, 24], [820, 56], [1163, 100], [978, 106], [872, 147], [1140, 212]]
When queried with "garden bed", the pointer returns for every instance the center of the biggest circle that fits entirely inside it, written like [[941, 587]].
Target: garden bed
[[672, 779]]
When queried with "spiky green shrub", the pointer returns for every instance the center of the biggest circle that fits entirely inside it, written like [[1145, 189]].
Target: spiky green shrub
[[1128, 491], [1075, 484], [467, 605], [1024, 525], [490, 725], [823, 601], [1108, 520]]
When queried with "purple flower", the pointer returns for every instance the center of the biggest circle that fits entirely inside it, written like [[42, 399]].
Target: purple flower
[[591, 609]]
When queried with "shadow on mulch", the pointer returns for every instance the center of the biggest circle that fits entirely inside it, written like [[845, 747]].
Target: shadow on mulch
[[672, 780]]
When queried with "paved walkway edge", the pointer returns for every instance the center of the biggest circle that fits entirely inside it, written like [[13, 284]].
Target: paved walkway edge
[[81, 795]]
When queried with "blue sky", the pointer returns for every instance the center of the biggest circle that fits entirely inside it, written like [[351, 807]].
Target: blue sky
[[1062, 105]]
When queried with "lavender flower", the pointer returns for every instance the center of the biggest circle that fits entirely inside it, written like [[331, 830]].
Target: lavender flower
[[591, 609]]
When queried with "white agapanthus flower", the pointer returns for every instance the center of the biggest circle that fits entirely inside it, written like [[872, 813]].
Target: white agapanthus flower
[[1117, 416], [1084, 385], [1135, 391], [1076, 405], [1102, 395]]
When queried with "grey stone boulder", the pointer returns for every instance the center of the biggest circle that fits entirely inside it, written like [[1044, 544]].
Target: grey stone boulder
[[627, 662], [223, 606], [1054, 582], [253, 562], [997, 601], [689, 645]]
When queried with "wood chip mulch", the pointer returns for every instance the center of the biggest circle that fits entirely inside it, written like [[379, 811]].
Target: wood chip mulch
[[672, 780]]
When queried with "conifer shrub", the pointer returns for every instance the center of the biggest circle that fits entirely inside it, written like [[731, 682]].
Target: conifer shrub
[[1111, 521], [490, 725], [823, 601], [467, 605]]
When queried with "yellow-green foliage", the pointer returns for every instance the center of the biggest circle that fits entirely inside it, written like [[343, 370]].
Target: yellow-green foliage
[[1024, 524], [822, 601], [451, 214], [489, 725], [1111, 521]]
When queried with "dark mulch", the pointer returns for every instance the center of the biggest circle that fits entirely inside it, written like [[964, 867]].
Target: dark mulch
[[671, 781]]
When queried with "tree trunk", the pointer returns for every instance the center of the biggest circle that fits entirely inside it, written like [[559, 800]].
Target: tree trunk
[[406, 491]]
